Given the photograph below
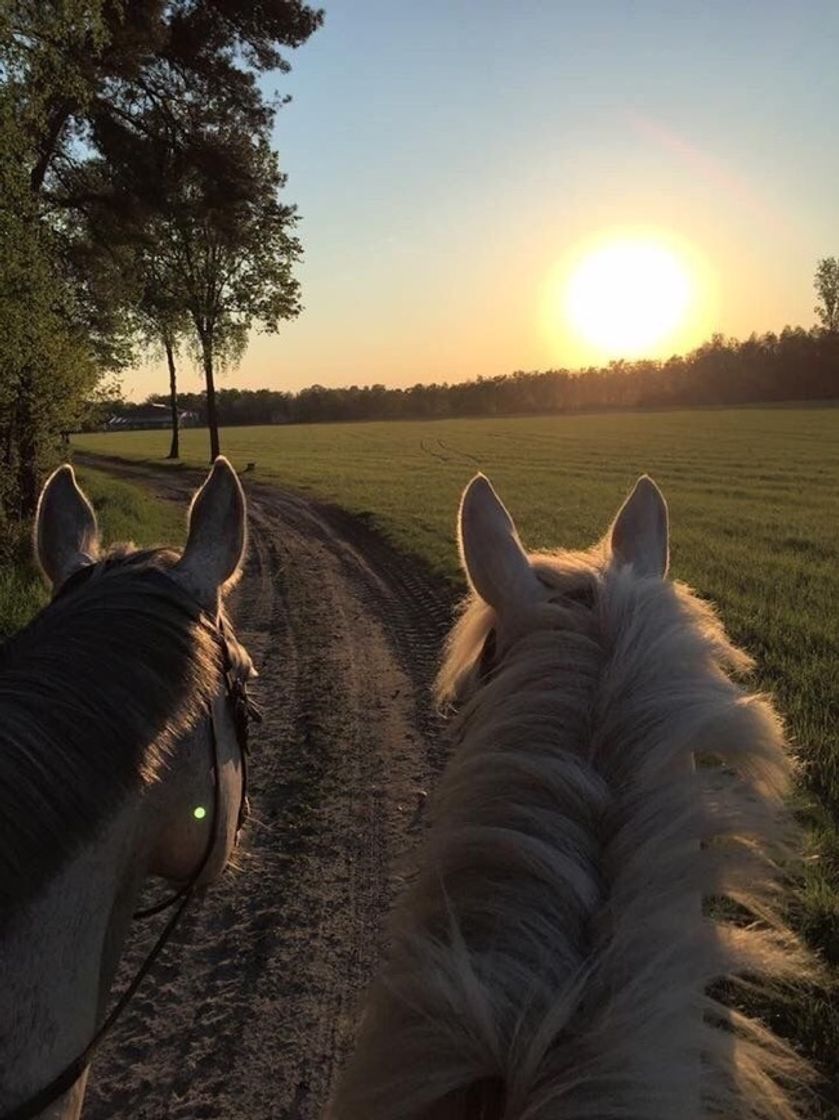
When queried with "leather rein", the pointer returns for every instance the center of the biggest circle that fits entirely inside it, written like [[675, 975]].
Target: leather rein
[[243, 711]]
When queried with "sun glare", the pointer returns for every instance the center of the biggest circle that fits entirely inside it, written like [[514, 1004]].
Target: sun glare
[[628, 296]]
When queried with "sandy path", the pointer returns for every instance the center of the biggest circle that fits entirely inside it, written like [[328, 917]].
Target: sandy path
[[251, 1008]]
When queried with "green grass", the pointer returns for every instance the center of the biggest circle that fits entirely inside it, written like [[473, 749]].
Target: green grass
[[22, 594], [125, 512], [128, 512], [754, 501]]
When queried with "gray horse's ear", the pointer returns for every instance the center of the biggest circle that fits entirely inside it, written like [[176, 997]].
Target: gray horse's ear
[[66, 534], [216, 535], [491, 553], [640, 532]]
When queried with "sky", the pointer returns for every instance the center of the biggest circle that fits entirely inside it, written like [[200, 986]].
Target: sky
[[454, 161]]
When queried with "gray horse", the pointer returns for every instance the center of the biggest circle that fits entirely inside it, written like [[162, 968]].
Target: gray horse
[[119, 758]]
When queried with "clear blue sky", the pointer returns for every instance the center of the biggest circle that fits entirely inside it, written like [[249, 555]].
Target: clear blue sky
[[450, 158]]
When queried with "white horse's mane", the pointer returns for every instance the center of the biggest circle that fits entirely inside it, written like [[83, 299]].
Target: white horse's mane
[[601, 877]]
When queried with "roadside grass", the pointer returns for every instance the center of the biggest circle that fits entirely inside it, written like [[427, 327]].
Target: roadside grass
[[22, 590], [125, 512], [129, 512], [754, 503]]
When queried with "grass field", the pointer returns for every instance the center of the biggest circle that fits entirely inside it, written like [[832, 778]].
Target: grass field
[[125, 512], [754, 501]]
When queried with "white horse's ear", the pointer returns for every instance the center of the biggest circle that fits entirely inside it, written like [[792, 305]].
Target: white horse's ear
[[640, 532], [66, 535], [216, 534], [490, 551]]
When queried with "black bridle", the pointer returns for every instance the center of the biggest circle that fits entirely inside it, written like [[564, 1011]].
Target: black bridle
[[243, 711]]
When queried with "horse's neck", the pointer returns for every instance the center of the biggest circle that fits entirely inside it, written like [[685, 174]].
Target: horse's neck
[[57, 962]]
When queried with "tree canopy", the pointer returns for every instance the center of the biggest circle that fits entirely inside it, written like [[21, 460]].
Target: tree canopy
[[827, 289], [124, 120], [48, 364], [92, 68]]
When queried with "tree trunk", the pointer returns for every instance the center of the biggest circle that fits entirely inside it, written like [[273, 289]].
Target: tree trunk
[[212, 420], [174, 450], [57, 118]]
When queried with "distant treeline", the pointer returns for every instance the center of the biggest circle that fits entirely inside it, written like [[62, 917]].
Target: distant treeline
[[797, 364]]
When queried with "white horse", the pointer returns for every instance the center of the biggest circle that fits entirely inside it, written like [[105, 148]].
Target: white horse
[[600, 873], [119, 758]]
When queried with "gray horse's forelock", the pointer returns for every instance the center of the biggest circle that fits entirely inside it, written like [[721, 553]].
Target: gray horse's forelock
[[600, 870], [93, 694]]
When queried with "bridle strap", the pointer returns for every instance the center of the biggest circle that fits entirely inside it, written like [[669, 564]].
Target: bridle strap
[[71, 1073]]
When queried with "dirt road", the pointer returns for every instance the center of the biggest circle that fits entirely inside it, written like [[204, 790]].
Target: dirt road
[[250, 1010]]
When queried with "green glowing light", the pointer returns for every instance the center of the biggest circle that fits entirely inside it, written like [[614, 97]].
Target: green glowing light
[[199, 812]]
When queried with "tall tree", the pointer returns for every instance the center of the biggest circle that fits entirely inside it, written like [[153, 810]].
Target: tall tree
[[89, 65], [163, 322], [84, 74], [118, 240], [827, 289], [48, 334], [166, 329], [47, 364], [232, 264], [212, 244]]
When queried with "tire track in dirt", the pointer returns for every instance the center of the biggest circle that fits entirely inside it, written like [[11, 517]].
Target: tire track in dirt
[[250, 1011]]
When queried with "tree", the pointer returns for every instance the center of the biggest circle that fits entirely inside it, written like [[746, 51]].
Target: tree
[[164, 323], [238, 273], [827, 288], [211, 243], [88, 66], [225, 245], [48, 341], [118, 240], [167, 332], [84, 74], [47, 366]]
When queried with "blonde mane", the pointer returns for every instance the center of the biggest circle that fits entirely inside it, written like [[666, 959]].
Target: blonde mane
[[601, 878]]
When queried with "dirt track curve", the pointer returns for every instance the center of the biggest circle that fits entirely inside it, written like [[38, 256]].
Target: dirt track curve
[[249, 1012]]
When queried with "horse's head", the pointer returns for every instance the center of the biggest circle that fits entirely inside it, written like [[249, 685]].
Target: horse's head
[[513, 592], [123, 720], [200, 797], [601, 863]]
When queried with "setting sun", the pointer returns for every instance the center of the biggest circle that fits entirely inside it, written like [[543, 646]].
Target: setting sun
[[629, 296]]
